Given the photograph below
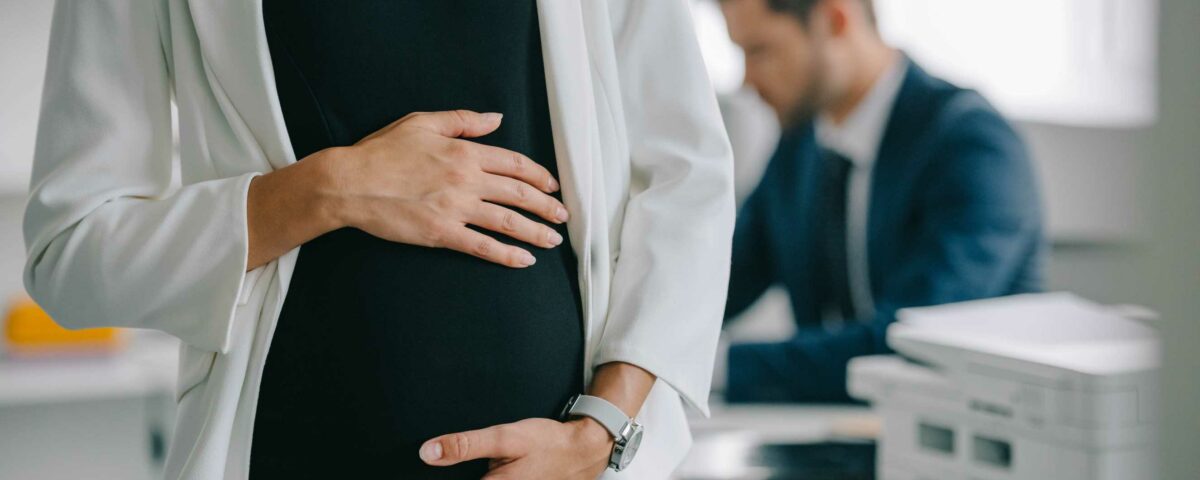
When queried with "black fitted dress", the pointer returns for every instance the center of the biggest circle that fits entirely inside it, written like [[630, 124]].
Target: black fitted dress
[[381, 345]]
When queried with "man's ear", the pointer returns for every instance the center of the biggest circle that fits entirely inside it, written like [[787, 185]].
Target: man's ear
[[834, 14]]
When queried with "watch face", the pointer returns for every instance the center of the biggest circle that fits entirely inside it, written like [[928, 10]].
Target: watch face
[[631, 447]]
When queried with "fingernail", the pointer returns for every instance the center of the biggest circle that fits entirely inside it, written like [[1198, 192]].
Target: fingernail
[[527, 259], [561, 214], [554, 238], [431, 451], [553, 184], [493, 116]]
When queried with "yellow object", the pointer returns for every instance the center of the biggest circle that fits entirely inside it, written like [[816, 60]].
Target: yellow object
[[28, 328]]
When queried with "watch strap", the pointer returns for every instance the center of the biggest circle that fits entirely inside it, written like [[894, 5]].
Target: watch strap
[[603, 411]]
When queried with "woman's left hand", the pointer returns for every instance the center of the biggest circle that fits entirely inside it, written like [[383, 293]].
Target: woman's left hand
[[535, 448]]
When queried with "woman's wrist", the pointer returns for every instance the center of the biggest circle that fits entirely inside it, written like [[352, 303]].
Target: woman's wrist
[[594, 442], [622, 384], [326, 189], [290, 206]]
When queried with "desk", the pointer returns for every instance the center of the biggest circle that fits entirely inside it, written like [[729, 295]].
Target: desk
[[732, 443]]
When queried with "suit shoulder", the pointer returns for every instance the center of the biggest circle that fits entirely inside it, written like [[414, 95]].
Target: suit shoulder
[[934, 112], [967, 130], [963, 112]]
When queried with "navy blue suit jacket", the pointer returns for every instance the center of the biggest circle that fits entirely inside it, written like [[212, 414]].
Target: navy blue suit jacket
[[953, 215]]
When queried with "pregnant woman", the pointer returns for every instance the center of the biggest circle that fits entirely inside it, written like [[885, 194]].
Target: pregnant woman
[[413, 239], [382, 345]]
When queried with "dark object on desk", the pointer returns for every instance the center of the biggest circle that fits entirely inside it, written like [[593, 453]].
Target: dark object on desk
[[833, 460], [817, 461]]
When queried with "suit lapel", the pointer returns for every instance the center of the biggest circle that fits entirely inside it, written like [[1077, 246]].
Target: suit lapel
[[572, 113], [896, 167], [237, 63], [572, 117], [808, 169]]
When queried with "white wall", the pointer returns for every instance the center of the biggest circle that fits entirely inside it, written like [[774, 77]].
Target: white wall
[[12, 250], [24, 36], [1170, 277]]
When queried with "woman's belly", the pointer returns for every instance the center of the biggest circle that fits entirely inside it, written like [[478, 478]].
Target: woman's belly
[[381, 346]]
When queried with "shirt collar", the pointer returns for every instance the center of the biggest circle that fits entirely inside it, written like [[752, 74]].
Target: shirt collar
[[858, 138]]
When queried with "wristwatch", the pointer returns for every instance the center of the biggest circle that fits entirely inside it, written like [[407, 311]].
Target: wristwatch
[[626, 432]]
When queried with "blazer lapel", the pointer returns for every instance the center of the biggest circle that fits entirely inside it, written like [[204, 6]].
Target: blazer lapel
[[572, 121], [572, 113], [237, 63], [233, 44]]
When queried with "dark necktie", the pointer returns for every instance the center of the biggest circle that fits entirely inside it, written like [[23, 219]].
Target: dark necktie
[[834, 272]]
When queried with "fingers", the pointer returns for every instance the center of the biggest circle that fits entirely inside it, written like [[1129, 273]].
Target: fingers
[[503, 220], [508, 163], [471, 445], [515, 193], [474, 243], [456, 123]]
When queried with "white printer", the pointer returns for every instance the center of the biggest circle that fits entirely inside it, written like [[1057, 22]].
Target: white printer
[[1047, 386]]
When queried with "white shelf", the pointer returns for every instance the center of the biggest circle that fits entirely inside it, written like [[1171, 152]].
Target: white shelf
[[148, 365]]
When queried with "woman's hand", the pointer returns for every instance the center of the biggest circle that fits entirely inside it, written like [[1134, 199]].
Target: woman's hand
[[538, 448], [415, 181], [531, 449]]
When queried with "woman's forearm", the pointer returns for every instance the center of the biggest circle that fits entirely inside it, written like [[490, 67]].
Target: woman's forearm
[[288, 207], [624, 385]]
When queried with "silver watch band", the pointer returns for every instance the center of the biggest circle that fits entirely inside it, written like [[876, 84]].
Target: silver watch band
[[611, 417]]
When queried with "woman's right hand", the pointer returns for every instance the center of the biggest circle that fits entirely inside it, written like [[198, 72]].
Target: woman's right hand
[[417, 181]]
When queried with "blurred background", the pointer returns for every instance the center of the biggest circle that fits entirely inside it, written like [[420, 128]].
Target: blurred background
[[1106, 94]]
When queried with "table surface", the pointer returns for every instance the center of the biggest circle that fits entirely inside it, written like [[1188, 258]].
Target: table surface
[[726, 445], [787, 423]]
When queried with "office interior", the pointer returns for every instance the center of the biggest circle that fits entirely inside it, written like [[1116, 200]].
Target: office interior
[[1103, 92]]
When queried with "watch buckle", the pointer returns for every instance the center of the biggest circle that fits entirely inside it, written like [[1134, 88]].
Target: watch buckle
[[566, 411]]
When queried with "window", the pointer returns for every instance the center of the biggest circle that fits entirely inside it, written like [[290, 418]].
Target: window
[[1070, 62], [1067, 62]]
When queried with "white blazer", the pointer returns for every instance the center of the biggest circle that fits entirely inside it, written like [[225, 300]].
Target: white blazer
[[645, 161]]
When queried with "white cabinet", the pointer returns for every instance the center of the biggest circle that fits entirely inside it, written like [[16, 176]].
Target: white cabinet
[[108, 417]]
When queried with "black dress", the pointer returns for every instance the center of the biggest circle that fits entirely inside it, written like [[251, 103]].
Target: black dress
[[381, 345]]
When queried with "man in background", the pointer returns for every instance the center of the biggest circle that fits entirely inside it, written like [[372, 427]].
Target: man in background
[[889, 188]]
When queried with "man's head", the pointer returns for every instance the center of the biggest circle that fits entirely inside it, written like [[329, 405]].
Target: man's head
[[801, 54]]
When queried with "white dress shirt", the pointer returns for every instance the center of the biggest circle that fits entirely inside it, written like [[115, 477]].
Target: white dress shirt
[[858, 139]]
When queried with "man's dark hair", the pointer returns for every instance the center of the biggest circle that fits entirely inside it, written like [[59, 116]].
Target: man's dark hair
[[802, 8]]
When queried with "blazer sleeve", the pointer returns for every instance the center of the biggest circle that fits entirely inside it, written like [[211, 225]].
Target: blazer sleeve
[[109, 243], [669, 282], [981, 226]]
